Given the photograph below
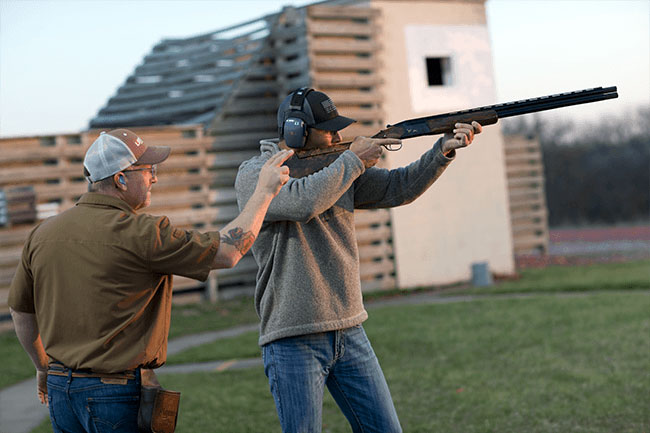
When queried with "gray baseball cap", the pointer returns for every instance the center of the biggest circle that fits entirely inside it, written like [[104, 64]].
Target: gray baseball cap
[[118, 149]]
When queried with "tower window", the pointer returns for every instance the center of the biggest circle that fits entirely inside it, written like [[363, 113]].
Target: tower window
[[439, 71]]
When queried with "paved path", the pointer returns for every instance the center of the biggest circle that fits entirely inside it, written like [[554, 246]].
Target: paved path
[[20, 411]]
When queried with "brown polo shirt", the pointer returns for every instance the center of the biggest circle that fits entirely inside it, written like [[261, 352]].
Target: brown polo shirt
[[98, 277]]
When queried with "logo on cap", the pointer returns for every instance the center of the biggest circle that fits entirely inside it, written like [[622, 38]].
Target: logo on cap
[[328, 106]]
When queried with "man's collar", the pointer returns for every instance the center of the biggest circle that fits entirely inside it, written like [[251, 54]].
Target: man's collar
[[95, 198]]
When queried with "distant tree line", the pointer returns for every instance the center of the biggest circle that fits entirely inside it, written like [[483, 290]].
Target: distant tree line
[[598, 174]]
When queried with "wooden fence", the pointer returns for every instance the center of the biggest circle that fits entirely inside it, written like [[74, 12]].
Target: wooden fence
[[528, 211]]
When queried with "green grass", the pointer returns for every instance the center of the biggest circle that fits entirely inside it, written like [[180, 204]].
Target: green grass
[[633, 275], [542, 364], [16, 364], [244, 346], [546, 364], [608, 276], [194, 318]]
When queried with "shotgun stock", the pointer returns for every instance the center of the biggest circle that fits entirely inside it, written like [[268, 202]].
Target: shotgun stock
[[306, 162]]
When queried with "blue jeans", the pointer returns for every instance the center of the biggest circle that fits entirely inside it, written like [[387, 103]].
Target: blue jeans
[[87, 404], [298, 368]]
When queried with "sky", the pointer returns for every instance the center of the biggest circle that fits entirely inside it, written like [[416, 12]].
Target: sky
[[61, 60]]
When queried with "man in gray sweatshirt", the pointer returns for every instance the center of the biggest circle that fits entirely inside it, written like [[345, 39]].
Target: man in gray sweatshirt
[[308, 291]]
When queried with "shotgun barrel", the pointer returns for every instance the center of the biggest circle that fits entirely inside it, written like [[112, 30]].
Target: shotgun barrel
[[439, 124]]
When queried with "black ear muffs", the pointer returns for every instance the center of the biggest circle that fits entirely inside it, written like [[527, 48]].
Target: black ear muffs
[[294, 130]]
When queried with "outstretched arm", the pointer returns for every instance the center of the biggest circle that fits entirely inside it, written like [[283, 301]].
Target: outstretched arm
[[238, 236], [29, 337], [380, 188]]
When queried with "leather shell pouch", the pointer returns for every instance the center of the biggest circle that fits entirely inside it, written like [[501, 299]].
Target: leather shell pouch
[[158, 410]]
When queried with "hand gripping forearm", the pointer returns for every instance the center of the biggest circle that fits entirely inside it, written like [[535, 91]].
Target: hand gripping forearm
[[238, 236], [462, 136]]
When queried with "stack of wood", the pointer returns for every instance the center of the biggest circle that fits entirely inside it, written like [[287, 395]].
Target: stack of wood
[[17, 206], [528, 211]]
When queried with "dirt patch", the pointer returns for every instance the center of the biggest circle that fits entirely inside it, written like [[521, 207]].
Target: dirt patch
[[591, 245], [633, 233]]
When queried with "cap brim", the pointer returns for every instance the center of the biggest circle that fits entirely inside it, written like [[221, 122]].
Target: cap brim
[[335, 124], [154, 155]]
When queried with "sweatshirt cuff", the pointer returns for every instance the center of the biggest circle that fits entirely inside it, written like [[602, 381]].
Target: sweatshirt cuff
[[439, 154], [355, 161]]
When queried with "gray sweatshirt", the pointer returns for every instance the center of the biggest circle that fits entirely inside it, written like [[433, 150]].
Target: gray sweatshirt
[[308, 277]]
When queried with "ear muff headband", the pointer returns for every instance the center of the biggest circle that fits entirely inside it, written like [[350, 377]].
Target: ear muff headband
[[298, 98], [294, 130]]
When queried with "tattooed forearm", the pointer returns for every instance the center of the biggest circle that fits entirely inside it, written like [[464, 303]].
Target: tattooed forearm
[[239, 239]]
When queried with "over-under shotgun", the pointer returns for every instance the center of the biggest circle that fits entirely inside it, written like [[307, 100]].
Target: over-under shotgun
[[306, 162]]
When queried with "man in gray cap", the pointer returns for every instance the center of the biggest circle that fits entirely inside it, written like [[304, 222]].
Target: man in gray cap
[[91, 298], [308, 291]]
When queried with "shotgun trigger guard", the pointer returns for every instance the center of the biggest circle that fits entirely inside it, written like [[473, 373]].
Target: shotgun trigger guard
[[392, 147]]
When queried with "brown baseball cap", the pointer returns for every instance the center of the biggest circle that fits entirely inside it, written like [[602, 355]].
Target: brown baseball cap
[[118, 149]]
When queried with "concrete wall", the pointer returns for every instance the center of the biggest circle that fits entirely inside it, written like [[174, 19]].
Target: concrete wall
[[464, 217]]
